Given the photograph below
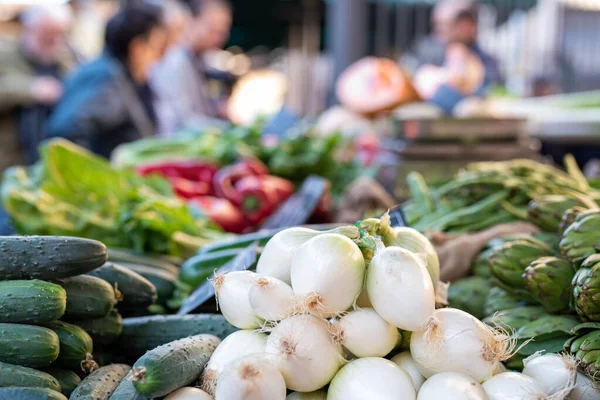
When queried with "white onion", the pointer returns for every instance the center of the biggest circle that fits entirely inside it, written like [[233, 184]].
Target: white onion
[[585, 389], [236, 345], [405, 361], [189, 393], [328, 274], [556, 373], [365, 334], [271, 299], [455, 341], [318, 395], [371, 378], [500, 369], [451, 386], [276, 258], [232, 291], [309, 356], [400, 288], [514, 386], [254, 377]]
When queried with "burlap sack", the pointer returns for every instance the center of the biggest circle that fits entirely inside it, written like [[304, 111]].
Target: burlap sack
[[458, 251], [361, 196]]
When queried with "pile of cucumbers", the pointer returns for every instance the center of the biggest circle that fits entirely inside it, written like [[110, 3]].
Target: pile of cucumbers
[[62, 332]]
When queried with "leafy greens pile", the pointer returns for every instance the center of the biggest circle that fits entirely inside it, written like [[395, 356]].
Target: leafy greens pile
[[73, 192]]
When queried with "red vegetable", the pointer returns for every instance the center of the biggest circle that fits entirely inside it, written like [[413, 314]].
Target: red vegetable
[[225, 179], [196, 171], [282, 188], [188, 189], [258, 200], [222, 213]]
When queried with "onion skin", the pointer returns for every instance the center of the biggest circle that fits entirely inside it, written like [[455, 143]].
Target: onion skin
[[584, 389], [408, 365], [400, 288], [451, 386], [189, 393], [371, 378], [318, 395], [355, 337], [513, 385], [308, 356], [459, 344], [556, 373], [253, 377], [232, 290]]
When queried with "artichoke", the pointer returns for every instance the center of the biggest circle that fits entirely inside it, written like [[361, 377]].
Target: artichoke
[[469, 295], [509, 261], [515, 318], [546, 212], [548, 281], [586, 289], [499, 299], [585, 348], [481, 266], [551, 239], [569, 217], [581, 239]]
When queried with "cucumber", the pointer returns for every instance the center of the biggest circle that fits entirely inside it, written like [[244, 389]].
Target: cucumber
[[202, 266], [26, 393], [121, 256], [106, 355], [136, 291], [68, 380], [165, 282], [76, 346], [48, 257], [100, 384], [103, 330], [172, 365], [88, 297], [15, 375], [34, 301], [126, 390], [146, 333], [28, 345]]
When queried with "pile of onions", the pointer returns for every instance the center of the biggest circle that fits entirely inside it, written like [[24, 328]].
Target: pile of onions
[[400, 288], [405, 361], [254, 377], [276, 257], [452, 385], [455, 341], [371, 378], [318, 395], [232, 290], [327, 274], [233, 347], [309, 358], [189, 393]]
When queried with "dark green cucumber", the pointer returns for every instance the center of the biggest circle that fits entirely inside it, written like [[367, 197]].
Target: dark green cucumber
[[165, 282], [135, 290], [68, 380], [15, 375], [100, 384], [172, 365], [28, 393], [105, 330], [76, 346], [33, 301], [146, 333], [202, 266], [121, 256], [126, 390], [88, 297], [48, 257], [28, 345]]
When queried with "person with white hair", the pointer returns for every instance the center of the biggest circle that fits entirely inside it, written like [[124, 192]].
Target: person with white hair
[[31, 69]]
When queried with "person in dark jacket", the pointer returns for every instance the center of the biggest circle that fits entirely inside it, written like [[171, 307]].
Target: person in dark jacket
[[108, 101]]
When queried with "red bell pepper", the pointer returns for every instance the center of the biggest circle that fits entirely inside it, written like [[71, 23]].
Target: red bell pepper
[[323, 212], [196, 171], [222, 213], [188, 189], [282, 188], [257, 199], [225, 179]]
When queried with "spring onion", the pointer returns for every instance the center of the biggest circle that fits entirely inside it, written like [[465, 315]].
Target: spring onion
[[365, 334], [405, 361], [232, 290], [254, 377], [557, 373], [513, 385], [451, 385], [271, 299]]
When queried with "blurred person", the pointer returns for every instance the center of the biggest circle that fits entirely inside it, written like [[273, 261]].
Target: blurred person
[[180, 81], [108, 101], [177, 20], [30, 81]]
